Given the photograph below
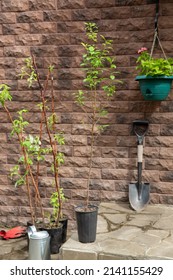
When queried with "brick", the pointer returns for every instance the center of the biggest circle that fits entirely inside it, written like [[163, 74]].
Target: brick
[[167, 19], [114, 13], [73, 118], [81, 129], [14, 29], [166, 176], [166, 153], [12, 6], [81, 194], [58, 15], [118, 129], [8, 17], [134, 24], [114, 174], [98, 184], [157, 141], [76, 140], [7, 63], [4, 180], [86, 14], [166, 9], [115, 196], [143, 11], [2, 74], [70, 51], [82, 151], [83, 172], [165, 34], [27, 17], [162, 188], [42, 5], [98, 162], [121, 186], [130, 2], [17, 51], [3, 159], [73, 183], [115, 152], [76, 161], [109, 141], [28, 39], [41, 51], [67, 4], [55, 39], [99, 3], [68, 26], [70, 74], [166, 130], [43, 27], [125, 163], [159, 164]]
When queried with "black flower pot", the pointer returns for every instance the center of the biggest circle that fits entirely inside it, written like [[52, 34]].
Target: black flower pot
[[55, 238], [86, 223], [64, 222]]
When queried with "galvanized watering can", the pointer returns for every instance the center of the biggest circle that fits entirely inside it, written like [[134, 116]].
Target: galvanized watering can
[[39, 244]]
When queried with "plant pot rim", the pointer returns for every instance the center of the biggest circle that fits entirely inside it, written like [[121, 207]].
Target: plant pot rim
[[77, 208], [143, 77]]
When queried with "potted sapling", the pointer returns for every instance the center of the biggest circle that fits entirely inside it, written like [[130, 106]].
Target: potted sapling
[[100, 83], [35, 149]]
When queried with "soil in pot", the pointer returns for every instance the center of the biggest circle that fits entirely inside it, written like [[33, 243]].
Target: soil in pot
[[86, 223]]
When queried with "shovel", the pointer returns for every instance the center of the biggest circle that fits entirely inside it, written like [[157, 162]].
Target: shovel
[[139, 193]]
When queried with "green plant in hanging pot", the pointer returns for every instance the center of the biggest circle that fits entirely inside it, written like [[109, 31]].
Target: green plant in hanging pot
[[99, 81], [156, 75]]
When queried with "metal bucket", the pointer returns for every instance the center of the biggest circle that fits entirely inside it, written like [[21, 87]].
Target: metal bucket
[[39, 246]]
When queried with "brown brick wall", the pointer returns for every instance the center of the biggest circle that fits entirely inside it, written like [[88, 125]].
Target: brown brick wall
[[53, 30]]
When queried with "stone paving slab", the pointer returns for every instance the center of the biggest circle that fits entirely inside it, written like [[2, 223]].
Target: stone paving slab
[[125, 234]]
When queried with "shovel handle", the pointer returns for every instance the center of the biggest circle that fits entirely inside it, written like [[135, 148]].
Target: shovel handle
[[140, 158], [140, 153]]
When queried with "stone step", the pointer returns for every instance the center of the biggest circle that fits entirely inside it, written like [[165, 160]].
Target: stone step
[[125, 234]]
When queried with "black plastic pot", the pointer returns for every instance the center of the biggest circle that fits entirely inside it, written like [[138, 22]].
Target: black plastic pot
[[86, 223], [64, 222], [55, 238]]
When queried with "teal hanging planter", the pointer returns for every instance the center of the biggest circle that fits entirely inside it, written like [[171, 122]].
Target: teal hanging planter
[[155, 88]]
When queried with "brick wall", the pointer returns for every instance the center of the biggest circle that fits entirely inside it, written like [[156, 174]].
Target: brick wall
[[53, 30]]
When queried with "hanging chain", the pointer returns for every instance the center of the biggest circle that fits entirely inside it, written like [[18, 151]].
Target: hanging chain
[[156, 37]]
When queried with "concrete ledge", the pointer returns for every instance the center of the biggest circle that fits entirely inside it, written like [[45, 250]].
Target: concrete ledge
[[125, 234]]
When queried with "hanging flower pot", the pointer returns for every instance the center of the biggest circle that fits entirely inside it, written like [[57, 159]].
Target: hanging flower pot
[[154, 87], [156, 74]]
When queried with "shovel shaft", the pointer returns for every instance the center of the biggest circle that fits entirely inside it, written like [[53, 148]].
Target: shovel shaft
[[139, 180], [140, 158]]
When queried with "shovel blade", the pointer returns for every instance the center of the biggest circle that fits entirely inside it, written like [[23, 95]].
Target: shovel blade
[[136, 203]]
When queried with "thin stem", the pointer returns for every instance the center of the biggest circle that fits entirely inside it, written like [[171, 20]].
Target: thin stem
[[51, 141], [92, 145]]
